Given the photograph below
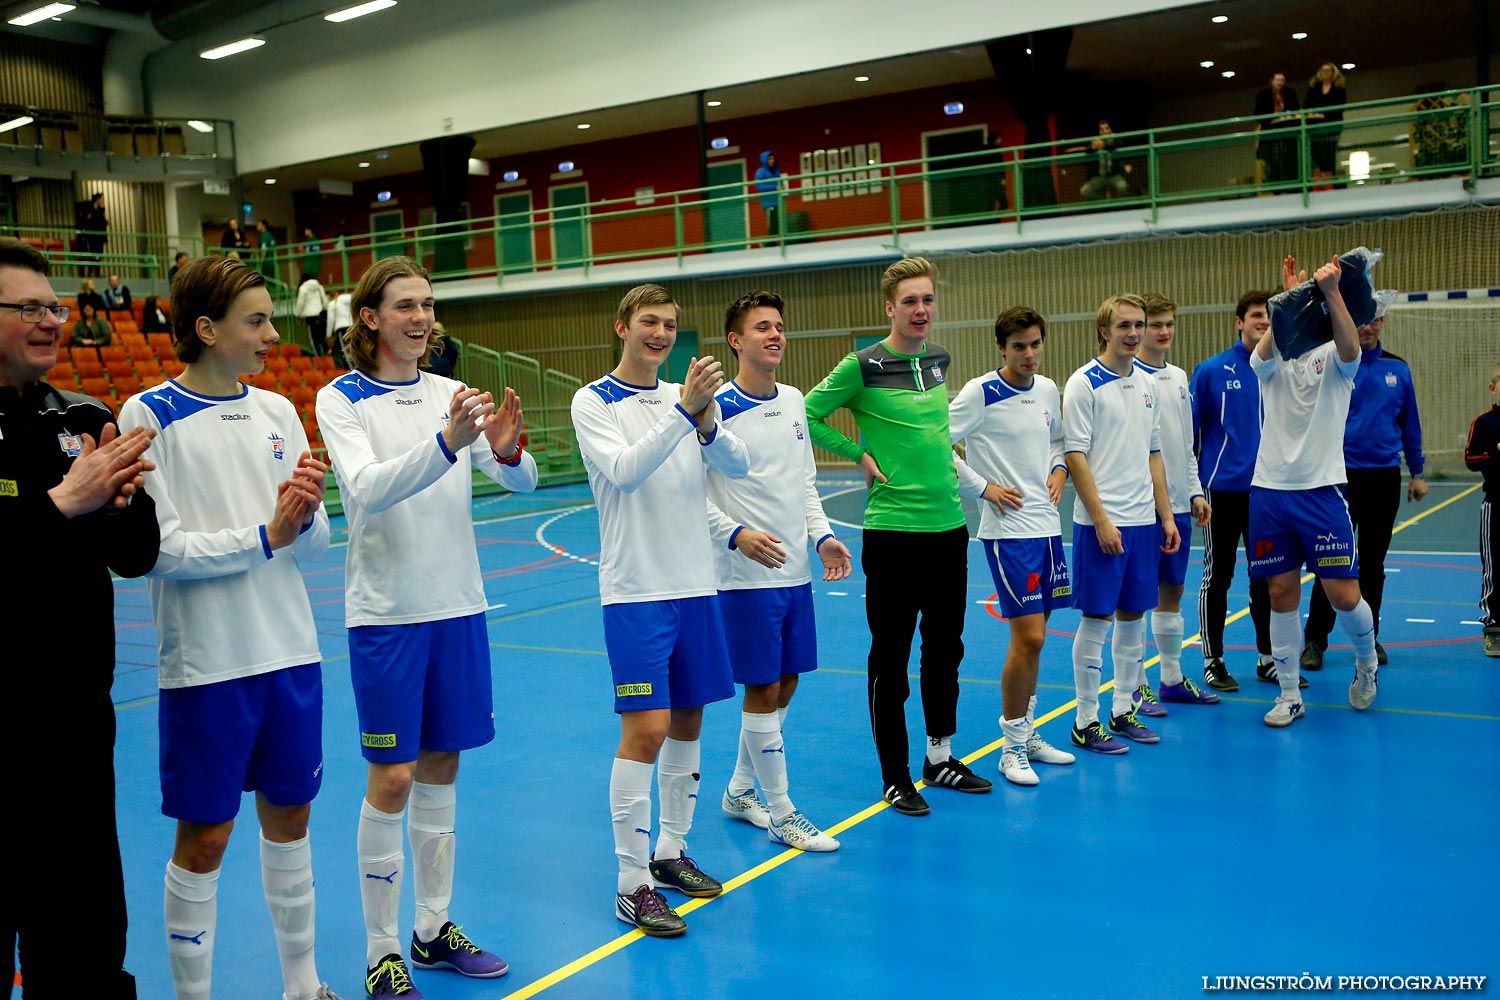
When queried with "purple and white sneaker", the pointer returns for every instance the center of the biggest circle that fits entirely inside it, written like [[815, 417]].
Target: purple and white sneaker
[[1188, 693], [452, 949]]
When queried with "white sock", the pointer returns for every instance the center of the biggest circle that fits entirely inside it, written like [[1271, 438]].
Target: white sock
[[378, 844], [743, 778], [677, 780], [1016, 731], [781, 716], [1360, 625], [1127, 652], [1031, 712], [429, 827], [630, 815], [1088, 668], [287, 876], [761, 736], [1167, 628], [192, 912], [939, 749], [1286, 633]]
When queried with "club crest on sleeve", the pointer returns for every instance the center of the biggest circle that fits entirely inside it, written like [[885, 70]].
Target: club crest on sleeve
[[797, 427], [1318, 366], [71, 444], [1390, 379], [278, 446]]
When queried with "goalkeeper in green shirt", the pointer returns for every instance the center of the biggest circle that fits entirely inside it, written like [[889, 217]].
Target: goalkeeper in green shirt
[[915, 552]]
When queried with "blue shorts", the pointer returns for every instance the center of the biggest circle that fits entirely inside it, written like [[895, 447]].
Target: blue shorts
[[667, 654], [251, 734], [769, 632], [423, 686], [1106, 584], [1030, 574], [1292, 527], [1172, 568]]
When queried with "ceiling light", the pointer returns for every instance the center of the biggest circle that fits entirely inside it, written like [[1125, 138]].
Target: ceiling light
[[1207, 64], [1348, 65], [861, 79], [243, 45], [1219, 18], [1298, 35], [16, 123], [350, 13], [1359, 164], [512, 175], [953, 108], [583, 125], [270, 180], [720, 143], [1028, 52], [41, 14], [1228, 74], [714, 104], [363, 164], [382, 196], [198, 126], [565, 167]]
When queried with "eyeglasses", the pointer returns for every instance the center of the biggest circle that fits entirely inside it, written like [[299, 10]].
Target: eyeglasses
[[35, 312]]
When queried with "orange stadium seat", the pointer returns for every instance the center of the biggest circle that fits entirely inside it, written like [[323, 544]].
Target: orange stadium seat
[[113, 353], [301, 364], [161, 343], [126, 386], [87, 363], [96, 387], [265, 380], [119, 369], [61, 375], [324, 363]]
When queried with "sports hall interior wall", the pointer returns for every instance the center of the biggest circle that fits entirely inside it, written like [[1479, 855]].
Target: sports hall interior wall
[[1451, 348]]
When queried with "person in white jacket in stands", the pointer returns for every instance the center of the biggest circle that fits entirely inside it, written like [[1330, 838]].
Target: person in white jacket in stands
[[312, 309]]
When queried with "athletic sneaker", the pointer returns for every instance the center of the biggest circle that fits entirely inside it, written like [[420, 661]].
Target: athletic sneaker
[[1285, 712], [798, 831], [1380, 658], [389, 978], [747, 806], [1096, 739], [685, 876], [452, 949], [1039, 751], [1266, 672], [1188, 693], [1216, 676], [647, 910], [1311, 658], [1492, 642], [1145, 703], [954, 773], [1362, 688], [905, 799], [1015, 768], [1129, 726]]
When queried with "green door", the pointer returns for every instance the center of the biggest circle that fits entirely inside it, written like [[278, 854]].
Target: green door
[[515, 243], [724, 219], [683, 353], [570, 244], [387, 222]]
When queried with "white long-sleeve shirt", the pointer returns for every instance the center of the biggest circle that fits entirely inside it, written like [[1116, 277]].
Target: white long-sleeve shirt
[[311, 299], [648, 472], [1177, 455], [226, 605], [1015, 439], [779, 495], [411, 556], [1304, 405], [1114, 421]]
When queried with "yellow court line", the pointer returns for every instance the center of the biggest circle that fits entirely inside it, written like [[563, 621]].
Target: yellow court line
[[547, 649]]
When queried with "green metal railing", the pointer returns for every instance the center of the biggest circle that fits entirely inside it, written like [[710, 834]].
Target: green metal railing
[[546, 404]]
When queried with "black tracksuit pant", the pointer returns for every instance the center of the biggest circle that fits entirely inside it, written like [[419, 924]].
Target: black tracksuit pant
[[1221, 547]]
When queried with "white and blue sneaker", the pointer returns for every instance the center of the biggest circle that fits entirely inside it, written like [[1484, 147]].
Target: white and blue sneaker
[[747, 806], [1362, 688], [798, 831], [1285, 712], [1015, 766]]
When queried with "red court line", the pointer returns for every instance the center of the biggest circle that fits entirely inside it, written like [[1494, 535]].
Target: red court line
[[989, 606]]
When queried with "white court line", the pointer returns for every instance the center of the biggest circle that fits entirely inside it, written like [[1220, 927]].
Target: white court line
[[1422, 621], [542, 541]]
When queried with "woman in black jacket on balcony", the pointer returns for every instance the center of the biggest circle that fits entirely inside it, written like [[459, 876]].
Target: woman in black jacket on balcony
[[1326, 97]]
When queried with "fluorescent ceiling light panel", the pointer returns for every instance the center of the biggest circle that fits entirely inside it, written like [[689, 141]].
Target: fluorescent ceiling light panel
[[16, 123], [198, 126], [1298, 35], [1219, 18], [243, 45], [41, 14], [359, 10]]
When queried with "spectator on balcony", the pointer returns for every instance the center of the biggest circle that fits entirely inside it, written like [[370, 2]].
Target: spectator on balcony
[[153, 320], [116, 295], [1324, 103], [312, 256], [1279, 154], [91, 329], [265, 245], [1106, 175], [767, 179], [93, 229], [87, 295], [311, 308], [177, 263], [234, 237]]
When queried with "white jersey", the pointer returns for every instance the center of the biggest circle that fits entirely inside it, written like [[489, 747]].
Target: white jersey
[[648, 473], [411, 554], [1304, 404], [780, 494], [1114, 421], [225, 604], [1015, 439], [1177, 455]]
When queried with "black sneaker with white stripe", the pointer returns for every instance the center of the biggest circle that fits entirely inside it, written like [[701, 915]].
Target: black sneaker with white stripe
[[647, 910], [1266, 674], [953, 773]]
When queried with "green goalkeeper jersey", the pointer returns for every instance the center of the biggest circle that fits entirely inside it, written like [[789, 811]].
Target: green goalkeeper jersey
[[900, 402]]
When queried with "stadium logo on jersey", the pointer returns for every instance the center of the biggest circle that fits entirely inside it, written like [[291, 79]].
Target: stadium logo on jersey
[[1390, 379], [797, 428], [384, 741], [937, 372], [627, 690], [278, 446], [71, 444], [1317, 366]]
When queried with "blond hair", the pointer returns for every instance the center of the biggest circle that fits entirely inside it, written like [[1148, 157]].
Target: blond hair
[[1105, 318], [1338, 76], [361, 341], [642, 296], [904, 270], [1158, 305]]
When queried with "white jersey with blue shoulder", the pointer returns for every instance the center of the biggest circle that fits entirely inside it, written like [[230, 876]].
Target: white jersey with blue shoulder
[[1114, 421], [1176, 435], [226, 605], [411, 555], [1304, 405], [779, 495], [1015, 439], [648, 470]]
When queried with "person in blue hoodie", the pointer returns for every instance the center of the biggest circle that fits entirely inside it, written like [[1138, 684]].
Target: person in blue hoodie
[[1225, 398], [766, 180], [1383, 425]]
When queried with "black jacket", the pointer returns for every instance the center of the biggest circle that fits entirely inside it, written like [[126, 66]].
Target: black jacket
[[60, 597]]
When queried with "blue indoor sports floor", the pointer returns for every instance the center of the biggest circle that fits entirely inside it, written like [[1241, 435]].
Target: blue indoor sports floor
[[1350, 844]]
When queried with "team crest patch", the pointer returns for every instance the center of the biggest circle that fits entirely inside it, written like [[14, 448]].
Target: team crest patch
[[1147, 397], [1318, 366], [797, 427], [937, 372], [71, 444], [626, 690], [1182, 391], [1390, 379], [278, 446]]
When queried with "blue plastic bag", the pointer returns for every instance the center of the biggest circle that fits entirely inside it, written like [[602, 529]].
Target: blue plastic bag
[[1299, 318]]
